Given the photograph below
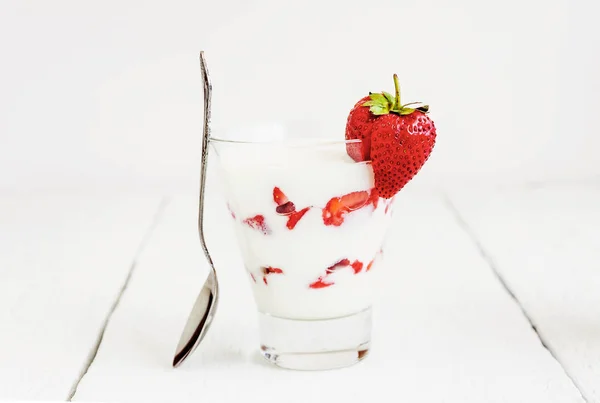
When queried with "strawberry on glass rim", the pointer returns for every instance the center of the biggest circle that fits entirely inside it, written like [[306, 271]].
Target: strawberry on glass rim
[[397, 138]]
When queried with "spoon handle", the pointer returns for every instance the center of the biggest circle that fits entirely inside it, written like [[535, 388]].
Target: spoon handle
[[204, 158]]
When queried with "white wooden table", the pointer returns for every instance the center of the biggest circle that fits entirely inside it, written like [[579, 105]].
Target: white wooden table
[[488, 295]]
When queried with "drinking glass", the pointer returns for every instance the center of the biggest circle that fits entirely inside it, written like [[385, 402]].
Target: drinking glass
[[310, 228]]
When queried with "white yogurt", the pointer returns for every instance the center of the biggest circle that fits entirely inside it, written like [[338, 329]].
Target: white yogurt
[[309, 176]]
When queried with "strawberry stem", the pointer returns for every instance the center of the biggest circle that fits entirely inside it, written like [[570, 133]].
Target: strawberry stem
[[397, 87]]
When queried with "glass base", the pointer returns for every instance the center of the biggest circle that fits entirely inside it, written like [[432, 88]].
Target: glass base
[[315, 344]]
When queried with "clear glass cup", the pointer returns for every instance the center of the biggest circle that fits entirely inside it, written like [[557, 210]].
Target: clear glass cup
[[310, 228]]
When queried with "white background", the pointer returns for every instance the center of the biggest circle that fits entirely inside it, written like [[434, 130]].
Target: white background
[[109, 92]]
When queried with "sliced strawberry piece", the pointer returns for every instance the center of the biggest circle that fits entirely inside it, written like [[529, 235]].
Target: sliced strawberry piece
[[270, 270], [295, 217], [333, 213], [258, 223], [340, 264], [355, 200], [320, 283], [337, 207], [286, 208], [279, 197], [357, 266]]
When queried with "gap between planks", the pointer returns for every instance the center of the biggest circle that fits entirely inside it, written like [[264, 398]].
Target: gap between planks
[[492, 264], [94, 351]]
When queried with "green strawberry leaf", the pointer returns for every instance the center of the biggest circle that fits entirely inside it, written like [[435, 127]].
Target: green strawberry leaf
[[379, 110], [379, 102], [424, 108], [380, 98], [389, 97], [406, 111]]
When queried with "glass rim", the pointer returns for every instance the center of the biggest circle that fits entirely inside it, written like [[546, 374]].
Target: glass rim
[[308, 141]]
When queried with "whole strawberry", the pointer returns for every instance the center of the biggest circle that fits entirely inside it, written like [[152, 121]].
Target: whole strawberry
[[398, 139]]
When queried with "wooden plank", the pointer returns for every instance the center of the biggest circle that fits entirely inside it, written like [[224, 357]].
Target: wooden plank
[[63, 259], [545, 243], [445, 329]]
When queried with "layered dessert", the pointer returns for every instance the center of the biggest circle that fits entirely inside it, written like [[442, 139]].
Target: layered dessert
[[310, 225]]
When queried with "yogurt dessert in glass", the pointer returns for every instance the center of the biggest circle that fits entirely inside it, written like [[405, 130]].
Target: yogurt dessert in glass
[[311, 216], [310, 227]]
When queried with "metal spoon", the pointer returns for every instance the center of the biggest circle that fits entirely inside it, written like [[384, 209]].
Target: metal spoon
[[205, 306]]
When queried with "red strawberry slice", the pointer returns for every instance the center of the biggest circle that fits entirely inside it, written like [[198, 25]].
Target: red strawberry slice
[[357, 266], [333, 213], [337, 207], [340, 264], [323, 282], [258, 223], [286, 208], [279, 197], [295, 217], [355, 200], [320, 283], [270, 270]]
